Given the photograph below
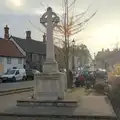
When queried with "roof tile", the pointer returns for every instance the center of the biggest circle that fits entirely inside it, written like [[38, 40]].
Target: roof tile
[[31, 46], [8, 49]]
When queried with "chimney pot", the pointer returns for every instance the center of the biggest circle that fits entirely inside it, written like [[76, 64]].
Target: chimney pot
[[6, 32], [28, 34]]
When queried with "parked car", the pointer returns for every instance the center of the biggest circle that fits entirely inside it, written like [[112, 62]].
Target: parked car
[[101, 73], [14, 75], [31, 72]]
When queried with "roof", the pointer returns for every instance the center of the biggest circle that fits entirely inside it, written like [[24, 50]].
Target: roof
[[8, 49], [31, 45]]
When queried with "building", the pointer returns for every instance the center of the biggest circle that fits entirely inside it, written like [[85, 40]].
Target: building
[[76, 62], [34, 51], [10, 56], [107, 58]]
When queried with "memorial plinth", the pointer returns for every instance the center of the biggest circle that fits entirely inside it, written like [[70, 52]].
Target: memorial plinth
[[51, 83], [49, 66], [50, 86]]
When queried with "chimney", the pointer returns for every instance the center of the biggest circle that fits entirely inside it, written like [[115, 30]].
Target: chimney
[[28, 34], [44, 38], [6, 32]]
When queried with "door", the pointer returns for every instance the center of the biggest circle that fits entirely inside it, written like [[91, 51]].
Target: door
[[17, 75]]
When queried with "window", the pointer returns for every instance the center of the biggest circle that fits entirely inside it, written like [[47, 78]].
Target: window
[[8, 60], [19, 61], [1, 60], [34, 57], [9, 72], [29, 56], [17, 72], [40, 57]]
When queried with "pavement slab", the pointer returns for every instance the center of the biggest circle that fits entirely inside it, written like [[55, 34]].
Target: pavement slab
[[87, 106], [90, 106]]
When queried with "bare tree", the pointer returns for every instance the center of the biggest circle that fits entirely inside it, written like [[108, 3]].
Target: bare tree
[[69, 26]]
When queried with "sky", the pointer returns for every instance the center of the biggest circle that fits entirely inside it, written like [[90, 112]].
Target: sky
[[102, 31]]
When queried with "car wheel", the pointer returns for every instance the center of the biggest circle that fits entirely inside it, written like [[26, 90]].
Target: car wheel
[[32, 77], [24, 78], [1, 81], [14, 79]]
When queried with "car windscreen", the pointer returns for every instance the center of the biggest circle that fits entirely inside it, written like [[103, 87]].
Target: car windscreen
[[10, 72]]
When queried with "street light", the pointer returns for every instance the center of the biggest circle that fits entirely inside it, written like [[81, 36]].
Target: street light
[[105, 64], [73, 62], [94, 61]]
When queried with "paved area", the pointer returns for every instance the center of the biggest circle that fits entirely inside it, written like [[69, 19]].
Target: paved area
[[16, 85], [98, 105], [75, 94], [88, 105], [10, 100]]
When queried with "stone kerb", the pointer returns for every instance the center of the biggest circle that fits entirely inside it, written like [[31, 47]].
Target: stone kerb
[[54, 117], [44, 103]]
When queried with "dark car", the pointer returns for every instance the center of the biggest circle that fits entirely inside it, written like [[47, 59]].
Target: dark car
[[101, 73], [30, 73]]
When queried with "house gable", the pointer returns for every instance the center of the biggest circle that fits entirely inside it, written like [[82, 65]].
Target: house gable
[[9, 49], [20, 49]]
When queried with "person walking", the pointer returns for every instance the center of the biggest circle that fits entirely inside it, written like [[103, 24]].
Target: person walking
[[70, 80], [82, 80], [89, 80]]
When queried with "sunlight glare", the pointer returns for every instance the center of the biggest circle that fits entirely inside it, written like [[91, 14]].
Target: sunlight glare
[[107, 32], [16, 3]]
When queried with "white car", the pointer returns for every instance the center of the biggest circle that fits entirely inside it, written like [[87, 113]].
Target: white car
[[36, 72], [14, 75]]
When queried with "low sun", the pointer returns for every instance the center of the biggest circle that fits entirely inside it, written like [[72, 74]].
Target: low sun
[[16, 3]]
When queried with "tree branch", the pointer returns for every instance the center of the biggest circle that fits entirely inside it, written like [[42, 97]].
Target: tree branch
[[36, 27]]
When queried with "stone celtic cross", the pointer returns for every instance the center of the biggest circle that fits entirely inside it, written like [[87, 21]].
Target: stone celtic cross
[[49, 20]]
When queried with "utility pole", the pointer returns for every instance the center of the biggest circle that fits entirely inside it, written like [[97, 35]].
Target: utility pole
[[94, 62], [66, 40], [73, 55], [105, 64]]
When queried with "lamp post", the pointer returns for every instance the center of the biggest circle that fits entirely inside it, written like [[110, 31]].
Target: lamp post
[[105, 64], [84, 57], [73, 52], [94, 61]]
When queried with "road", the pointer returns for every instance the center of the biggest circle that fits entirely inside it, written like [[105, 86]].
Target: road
[[10, 100], [15, 85]]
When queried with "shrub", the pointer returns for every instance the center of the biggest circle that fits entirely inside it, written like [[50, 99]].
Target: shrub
[[107, 88], [99, 87], [114, 97], [114, 81], [115, 93]]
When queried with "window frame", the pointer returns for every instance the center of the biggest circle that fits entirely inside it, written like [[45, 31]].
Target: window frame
[[19, 61], [1, 60], [17, 72], [9, 60]]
